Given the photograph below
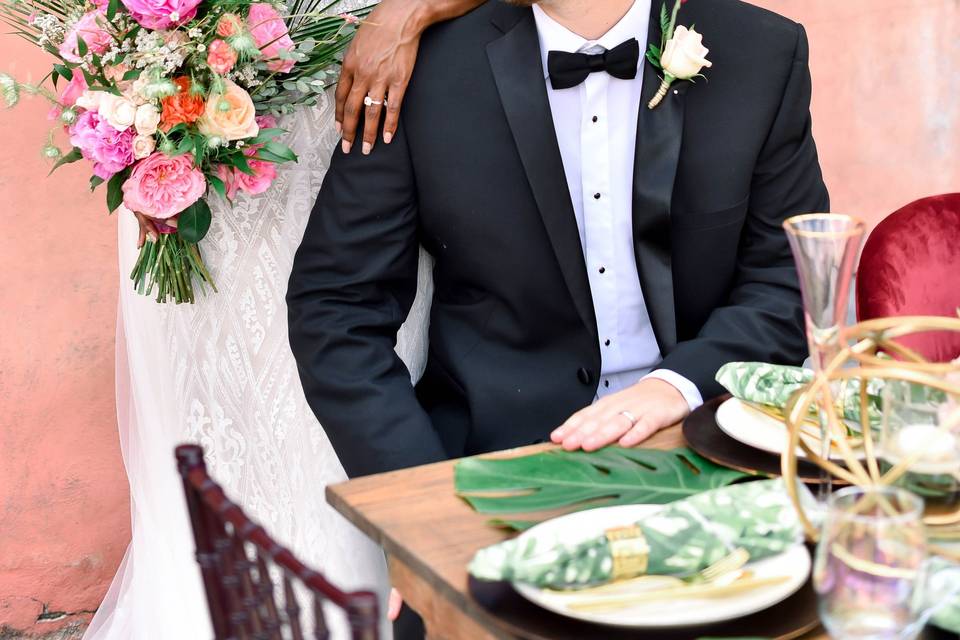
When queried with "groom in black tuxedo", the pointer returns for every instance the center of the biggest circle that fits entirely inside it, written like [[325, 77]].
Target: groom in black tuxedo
[[594, 258]]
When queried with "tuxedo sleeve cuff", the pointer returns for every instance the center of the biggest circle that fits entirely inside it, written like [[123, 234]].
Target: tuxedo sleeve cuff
[[686, 388]]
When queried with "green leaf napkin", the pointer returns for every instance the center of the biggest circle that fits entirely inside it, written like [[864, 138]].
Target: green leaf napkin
[[683, 537], [773, 384]]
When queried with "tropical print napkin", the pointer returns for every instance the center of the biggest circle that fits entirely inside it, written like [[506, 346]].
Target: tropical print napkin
[[681, 538], [772, 385]]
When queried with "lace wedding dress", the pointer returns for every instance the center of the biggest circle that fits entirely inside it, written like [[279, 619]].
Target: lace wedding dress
[[220, 373]]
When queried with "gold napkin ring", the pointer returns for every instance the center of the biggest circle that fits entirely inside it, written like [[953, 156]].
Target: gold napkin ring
[[629, 550]]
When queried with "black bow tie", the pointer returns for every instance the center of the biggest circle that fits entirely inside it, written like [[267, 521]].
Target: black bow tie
[[570, 69]]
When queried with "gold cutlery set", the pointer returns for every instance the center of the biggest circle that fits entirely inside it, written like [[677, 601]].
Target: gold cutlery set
[[723, 578]]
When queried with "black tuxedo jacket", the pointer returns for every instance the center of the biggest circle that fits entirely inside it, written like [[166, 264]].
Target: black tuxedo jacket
[[475, 175]]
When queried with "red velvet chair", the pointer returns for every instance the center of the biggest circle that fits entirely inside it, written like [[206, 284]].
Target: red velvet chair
[[236, 557], [910, 266]]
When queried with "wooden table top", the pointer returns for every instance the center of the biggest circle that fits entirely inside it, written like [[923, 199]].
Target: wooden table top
[[417, 519]]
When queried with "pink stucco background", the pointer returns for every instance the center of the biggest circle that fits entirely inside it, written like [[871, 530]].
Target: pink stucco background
[[887, 120]]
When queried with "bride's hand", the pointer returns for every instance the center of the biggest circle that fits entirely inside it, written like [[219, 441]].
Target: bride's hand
[[147, 229], [380, 61]]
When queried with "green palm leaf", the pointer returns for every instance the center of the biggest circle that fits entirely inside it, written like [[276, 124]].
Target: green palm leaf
[[558, 479]]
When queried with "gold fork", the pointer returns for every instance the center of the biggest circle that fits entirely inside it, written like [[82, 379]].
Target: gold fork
[[733, 561], [705, 590]]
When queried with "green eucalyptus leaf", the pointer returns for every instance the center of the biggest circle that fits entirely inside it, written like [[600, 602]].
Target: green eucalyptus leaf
[[73, 156], [95, 181], [280, 150], [194, 221], [218, 185], [115, 191], [185, 146], [65, 72], [133, 74], [240, 162], [81, 47], [112, 9], [557, 479]]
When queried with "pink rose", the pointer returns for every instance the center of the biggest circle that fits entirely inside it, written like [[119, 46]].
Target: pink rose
[[162, 14], [267, 121], [221, 57], [264, 175], [111, 151], [89, 27], [73, 90], [162, 187], [270, 33]]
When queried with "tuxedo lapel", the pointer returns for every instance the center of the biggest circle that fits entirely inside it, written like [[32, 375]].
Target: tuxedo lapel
[[518, 71], [659, 134]]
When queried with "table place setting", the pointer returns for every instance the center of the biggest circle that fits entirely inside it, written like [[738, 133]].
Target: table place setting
[[806, 503], [857, 458]]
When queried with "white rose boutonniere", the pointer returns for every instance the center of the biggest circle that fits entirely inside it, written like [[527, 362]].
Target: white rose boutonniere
[[681, 54]]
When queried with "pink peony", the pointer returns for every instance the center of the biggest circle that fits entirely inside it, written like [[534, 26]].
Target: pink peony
[[111, 151], [162, 187], [94, 35], [221, 57], [162, 14], [73, 90], [270, 33]]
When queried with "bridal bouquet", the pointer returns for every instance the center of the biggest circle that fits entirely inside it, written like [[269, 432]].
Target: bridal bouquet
[[171, 101]]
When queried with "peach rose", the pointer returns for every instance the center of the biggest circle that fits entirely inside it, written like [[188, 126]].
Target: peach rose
[[230, 115], [182, 107]]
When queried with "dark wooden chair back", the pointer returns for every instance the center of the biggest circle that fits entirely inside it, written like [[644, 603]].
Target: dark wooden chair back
[[236, 557]]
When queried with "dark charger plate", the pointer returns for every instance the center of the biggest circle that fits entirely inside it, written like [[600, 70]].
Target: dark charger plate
[[705, 436], [519, 618]]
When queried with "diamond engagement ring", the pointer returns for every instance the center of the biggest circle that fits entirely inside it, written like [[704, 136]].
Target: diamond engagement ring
[[368, 101], [629, 416]]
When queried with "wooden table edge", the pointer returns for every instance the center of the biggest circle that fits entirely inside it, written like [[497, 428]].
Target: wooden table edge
[[393, 548]]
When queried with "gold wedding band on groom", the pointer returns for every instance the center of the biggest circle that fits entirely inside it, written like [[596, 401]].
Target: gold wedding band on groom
[[368, 101], [629, 416]]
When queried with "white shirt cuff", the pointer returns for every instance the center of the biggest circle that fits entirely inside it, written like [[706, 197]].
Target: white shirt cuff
[[686, 388]]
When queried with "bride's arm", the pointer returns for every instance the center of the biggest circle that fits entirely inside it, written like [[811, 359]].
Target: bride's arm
[[380, 60]]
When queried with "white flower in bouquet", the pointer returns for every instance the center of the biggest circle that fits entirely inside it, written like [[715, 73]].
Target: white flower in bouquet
[[118, 111], [143, 146], [147, 119]]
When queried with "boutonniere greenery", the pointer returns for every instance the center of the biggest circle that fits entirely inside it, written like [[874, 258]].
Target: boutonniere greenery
[[681, 54]]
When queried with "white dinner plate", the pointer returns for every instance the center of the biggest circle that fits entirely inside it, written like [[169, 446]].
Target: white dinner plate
[[664, 614], [758, 430]]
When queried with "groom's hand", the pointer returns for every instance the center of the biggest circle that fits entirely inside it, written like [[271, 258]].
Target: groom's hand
[[652, 402]]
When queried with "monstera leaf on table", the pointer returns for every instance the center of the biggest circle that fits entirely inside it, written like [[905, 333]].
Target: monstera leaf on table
[[560, 479]]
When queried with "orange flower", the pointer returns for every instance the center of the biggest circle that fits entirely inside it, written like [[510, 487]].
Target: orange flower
[[182, 107]]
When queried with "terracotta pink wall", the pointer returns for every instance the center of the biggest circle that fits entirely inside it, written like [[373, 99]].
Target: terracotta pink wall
[[64, 517], [887, 120]]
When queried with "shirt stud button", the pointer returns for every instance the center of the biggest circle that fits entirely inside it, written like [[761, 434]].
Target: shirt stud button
[[606, 343], [596, 196], [603, 269], [595, 118], [606, 383]]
